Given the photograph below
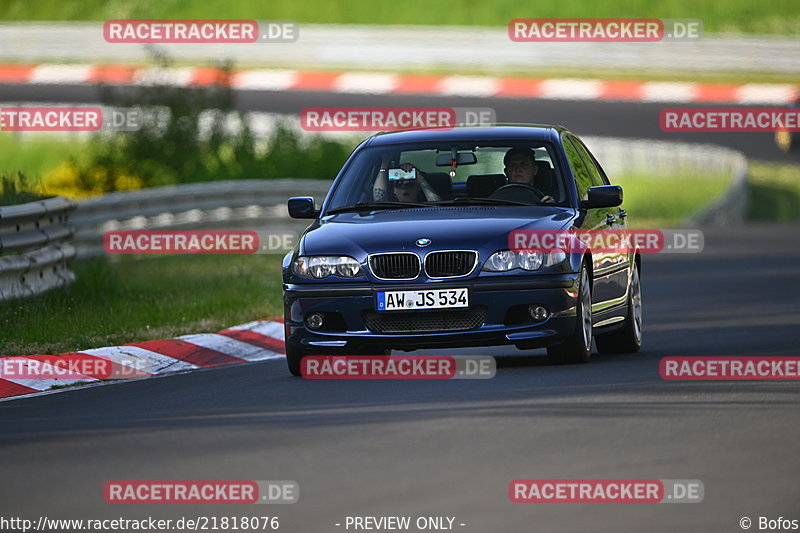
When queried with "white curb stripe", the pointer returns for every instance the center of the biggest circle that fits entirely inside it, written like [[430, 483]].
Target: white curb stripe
[[468, 86], [141, 359], [660, 91], [567, 89], [265, 80], [759, 93], [366, 83], [268, 329], [45, 74], [232, 347]]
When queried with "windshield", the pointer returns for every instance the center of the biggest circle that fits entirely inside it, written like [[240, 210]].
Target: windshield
[[497, 173]]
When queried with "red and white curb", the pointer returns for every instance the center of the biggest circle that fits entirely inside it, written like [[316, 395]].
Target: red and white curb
[[408, 84], [255, 341]]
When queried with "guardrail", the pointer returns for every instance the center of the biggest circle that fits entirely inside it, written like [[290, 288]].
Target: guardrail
[[664, 159], [35, 247], [211, 205]]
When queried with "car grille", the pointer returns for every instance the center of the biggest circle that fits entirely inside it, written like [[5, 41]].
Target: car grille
[[425, 321], [395, 266], [449, 264]]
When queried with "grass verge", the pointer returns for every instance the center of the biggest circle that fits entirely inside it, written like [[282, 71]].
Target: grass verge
[[774, 192], [772, 16], [131, 300], [645, 198]]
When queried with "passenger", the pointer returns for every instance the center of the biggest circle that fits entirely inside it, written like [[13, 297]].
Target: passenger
[[416, 190]]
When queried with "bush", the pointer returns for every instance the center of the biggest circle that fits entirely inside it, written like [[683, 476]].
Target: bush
[[17, 189], [190, 135]]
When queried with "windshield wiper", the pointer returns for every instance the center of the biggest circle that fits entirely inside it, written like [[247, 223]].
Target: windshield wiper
[[479, 201], [374, 206]]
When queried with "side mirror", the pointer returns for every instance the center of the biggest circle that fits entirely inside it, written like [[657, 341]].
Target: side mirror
[[302, 207], [603, 196]]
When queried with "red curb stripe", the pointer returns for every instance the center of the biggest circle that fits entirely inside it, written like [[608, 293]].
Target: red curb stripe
[[621, 90], [315, 81], [9, 388], [112, 74], [191, 353], [519, 87], [417, 84], [16, 73], [255, 339], [720, 93], [211, 76]]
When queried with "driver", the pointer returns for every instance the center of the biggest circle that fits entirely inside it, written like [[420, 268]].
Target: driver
[[520, 167]]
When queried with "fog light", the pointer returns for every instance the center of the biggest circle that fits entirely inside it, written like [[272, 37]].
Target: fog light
[[314, 321], [538, 312]]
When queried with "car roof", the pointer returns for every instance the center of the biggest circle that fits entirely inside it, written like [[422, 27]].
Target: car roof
[[520, 132]]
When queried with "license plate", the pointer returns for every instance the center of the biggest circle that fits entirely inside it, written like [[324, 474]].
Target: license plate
[[430, 299]]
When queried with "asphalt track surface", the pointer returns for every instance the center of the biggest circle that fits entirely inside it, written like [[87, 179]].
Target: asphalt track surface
[[450, 448], [611, 119]]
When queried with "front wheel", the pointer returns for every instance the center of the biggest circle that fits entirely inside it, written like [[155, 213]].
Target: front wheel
[[577, 348], [627, 339]]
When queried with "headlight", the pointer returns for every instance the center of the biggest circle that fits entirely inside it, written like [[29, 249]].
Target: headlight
[[530, 261], [322, 266]]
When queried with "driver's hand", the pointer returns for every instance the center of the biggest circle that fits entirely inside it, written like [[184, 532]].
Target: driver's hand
[[547, 199]]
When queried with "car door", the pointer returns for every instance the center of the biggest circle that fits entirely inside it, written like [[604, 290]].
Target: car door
[[604, 289], [614, 269]]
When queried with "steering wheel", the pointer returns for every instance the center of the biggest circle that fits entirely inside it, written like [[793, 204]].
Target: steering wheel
[[512, 191]]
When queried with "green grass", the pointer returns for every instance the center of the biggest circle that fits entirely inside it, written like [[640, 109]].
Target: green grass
[[771, 16], [774, 192], [130, 300], [665, 202], [35, 154]]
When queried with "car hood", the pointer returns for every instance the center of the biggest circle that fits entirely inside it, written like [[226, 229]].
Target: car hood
[[483, 228]]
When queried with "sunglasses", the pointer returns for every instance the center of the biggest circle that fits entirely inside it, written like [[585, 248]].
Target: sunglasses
[[403, 183]]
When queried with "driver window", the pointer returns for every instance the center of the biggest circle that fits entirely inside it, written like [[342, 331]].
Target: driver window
[[583, 178]]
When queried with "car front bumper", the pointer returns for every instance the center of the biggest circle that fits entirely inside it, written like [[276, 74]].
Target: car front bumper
[[502, 300]]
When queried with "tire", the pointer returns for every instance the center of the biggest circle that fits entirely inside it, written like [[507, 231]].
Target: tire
[[627, 339], [577, 348]]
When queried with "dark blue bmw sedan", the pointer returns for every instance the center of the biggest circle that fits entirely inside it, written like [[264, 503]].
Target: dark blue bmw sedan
[[411, 250]]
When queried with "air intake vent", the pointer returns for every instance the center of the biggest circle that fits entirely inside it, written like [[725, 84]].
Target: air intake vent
[[395, 266], [450, 264], [425, 321]]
